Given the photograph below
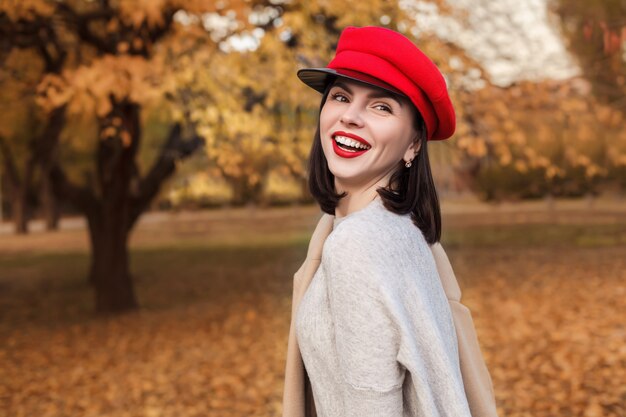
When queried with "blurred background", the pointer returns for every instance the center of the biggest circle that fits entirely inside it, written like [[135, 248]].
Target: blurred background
[[154, 205]]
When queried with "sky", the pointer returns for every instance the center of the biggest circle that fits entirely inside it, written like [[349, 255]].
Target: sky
[[511, 39]]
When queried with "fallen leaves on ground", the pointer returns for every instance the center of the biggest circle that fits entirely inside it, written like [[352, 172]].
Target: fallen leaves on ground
[[549, 320]]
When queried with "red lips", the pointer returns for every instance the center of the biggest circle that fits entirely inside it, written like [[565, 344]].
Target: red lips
[[351, 136], [344, 153]]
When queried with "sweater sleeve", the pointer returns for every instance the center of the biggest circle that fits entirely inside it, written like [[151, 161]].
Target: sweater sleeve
[[366, 338]]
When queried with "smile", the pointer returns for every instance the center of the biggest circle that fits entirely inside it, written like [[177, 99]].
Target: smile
[[348, 145]]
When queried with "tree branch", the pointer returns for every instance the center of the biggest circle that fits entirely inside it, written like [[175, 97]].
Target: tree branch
[[82, 21], [43, 146], [81, 197], [159, 32], [175, 148], [38, 33]]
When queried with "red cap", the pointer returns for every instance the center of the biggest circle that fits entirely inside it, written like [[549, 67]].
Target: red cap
[[387, 59]]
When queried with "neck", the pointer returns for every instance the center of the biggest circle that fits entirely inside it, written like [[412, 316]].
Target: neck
[[357, 197]]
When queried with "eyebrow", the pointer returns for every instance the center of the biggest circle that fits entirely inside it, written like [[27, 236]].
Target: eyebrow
[[379, 93]]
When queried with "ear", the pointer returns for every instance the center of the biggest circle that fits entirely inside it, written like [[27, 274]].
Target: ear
[[412, 150]]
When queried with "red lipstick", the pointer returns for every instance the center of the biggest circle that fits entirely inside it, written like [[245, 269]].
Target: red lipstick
[[351, 136], [345, 153]]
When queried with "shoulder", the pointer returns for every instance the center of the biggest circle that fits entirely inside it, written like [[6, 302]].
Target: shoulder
[[368, 222], [375, 237], [377, 225]]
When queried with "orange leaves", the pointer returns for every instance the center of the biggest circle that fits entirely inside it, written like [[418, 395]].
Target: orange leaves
[[123, 47], [108, 132], [138, 12], [612, 38], [52, 92], [212, 339], [553, 127], [550, 337], [201, 187], [89, 89], [227, 98], [473, 146], [26, 9], [112, 132]]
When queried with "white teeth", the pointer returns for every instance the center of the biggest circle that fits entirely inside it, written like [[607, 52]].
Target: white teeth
[[351, 142]]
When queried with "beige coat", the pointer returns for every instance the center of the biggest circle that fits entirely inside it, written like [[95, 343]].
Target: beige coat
[[297, 394]]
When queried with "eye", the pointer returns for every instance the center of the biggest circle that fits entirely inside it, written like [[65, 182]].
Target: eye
[[383, 107], [339, 97]]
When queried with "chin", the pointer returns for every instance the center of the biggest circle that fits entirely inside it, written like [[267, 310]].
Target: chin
[[344, 174], [350, 179]]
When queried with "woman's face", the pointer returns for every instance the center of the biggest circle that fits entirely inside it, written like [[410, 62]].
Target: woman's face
[[377, 122]]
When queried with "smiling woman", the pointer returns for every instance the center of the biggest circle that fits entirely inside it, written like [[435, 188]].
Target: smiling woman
[[393, 161], [375, 328], [371, 123]]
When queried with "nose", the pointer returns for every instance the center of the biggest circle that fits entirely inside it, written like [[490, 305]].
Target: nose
[[351, 116]]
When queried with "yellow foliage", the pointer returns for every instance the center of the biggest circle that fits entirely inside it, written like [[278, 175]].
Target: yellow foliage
[[521, 166], [107, 132], [26, 9], [505, 158], [517, 138], [593, 170], [88, 88], [582, 160], [552, 171], [544, 133], [620, 160], [256, 116], [281, 186], [585, 133], [202, 186], [126, 138], [604, 114], [509, 125], [545, 125]]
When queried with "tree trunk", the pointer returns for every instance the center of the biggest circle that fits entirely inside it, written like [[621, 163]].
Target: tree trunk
[[19, 211], [19, 187], [49, 203], [244, 193], [110, 222], [117, 200], [110, 272]]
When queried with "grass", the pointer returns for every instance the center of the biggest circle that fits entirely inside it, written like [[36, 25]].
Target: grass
[[49, 288], [190, 258], [527, 235]]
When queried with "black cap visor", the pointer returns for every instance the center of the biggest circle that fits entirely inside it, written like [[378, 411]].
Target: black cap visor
[[319, 78]]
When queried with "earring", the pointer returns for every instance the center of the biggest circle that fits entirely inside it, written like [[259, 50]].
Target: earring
[[408, 164]]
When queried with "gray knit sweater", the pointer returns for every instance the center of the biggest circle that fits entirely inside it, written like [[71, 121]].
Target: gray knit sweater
[[375, 328]]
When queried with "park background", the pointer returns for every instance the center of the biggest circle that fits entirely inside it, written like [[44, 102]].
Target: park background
[[154, 203]]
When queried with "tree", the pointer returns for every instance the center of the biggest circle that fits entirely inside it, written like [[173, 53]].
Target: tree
[[596, 34], [27, 53], [119, 57], [253, 111]]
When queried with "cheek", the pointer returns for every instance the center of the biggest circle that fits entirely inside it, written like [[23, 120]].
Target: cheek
[[394, 138], [325, 119], [329, 115]]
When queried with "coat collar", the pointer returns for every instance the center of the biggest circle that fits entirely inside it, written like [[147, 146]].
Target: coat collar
[[297, 394]]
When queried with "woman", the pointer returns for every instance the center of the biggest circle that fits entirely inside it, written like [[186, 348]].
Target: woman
[[375, 328]]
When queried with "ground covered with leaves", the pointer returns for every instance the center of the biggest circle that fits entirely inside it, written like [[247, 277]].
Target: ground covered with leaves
[[547, 293]]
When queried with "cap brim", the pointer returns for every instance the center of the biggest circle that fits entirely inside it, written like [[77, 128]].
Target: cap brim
[[318, 79]]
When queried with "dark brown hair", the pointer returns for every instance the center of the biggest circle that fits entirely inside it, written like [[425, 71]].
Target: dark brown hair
[[410, 190]]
